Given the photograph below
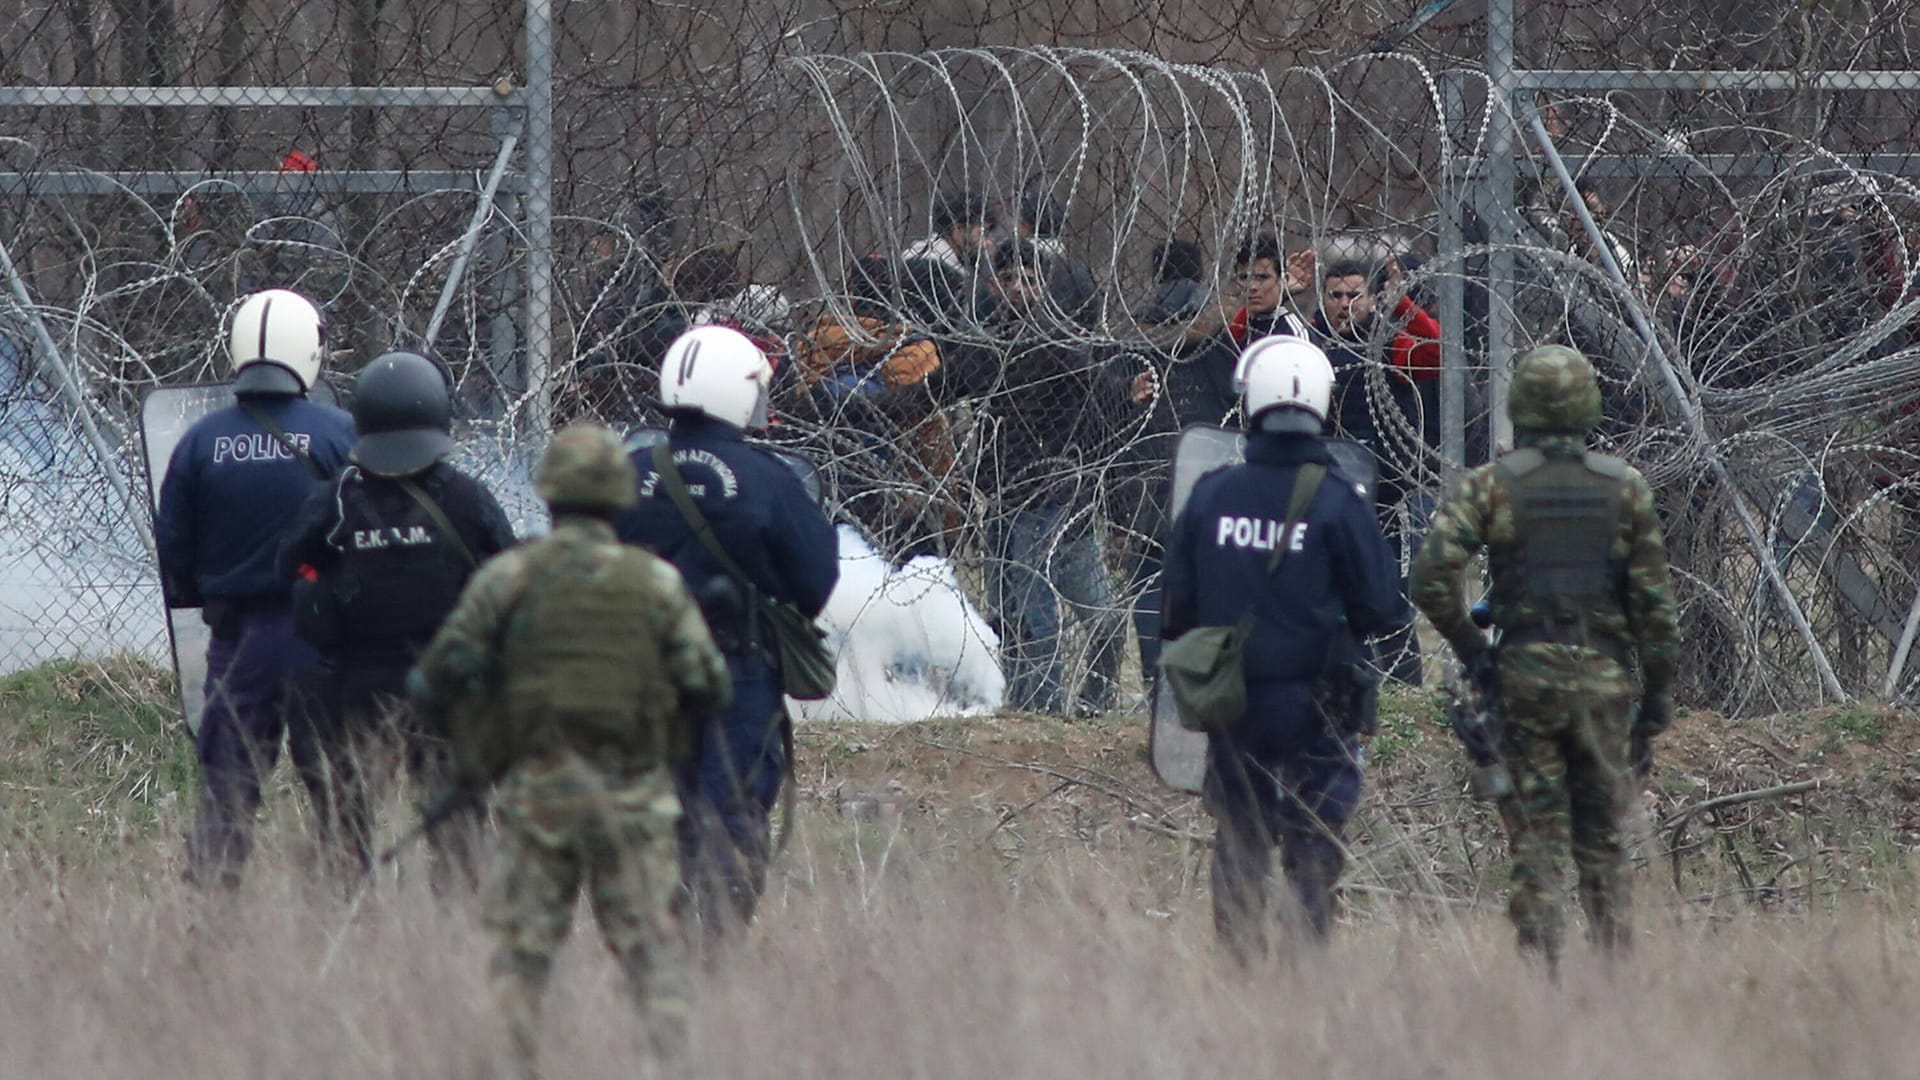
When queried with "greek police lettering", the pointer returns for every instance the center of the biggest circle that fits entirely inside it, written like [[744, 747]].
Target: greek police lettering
[[729, 483], [258, 447], [1257, 533], [391, 536]]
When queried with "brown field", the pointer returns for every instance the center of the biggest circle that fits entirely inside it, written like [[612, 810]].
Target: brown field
[[1005, 898]]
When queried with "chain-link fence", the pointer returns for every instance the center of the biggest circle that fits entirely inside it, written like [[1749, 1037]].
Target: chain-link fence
[[969, 229]]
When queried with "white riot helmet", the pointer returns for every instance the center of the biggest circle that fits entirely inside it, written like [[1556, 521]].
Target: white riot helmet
[[1285, 384], [718, 371], [277, 342]]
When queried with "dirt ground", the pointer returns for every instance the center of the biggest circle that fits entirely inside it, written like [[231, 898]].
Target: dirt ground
[[1741, 801]]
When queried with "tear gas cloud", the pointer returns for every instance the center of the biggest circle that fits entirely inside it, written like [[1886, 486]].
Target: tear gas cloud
[[76, 581], [910, 645]]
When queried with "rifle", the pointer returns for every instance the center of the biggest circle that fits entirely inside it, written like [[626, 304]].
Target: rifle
[[1474, 713], [1641, 753], [435, 812]]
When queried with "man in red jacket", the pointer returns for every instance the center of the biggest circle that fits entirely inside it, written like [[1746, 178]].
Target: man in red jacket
[[1377, 402], [1349, 323]]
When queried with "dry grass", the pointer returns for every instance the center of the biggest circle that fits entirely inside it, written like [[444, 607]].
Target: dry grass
[[1014, 898], [939, 964]]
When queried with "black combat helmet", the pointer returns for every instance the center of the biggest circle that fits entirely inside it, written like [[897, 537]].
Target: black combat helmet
[[403, 414]]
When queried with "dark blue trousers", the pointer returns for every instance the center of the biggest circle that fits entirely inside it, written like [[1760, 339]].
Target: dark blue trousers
[[728, 791], [1278, 779], [367, 705], [261, 682]]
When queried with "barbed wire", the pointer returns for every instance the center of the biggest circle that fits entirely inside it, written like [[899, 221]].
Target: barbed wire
[[784, 168]]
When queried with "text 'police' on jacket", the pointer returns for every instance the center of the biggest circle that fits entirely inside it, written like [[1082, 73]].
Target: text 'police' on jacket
[[1256, 533]]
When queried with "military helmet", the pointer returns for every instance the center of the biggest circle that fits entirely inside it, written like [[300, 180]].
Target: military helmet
[[586, 468], [403, 413], [1553, 390]]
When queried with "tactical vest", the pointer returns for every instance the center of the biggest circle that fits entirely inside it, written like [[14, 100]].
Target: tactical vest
[[397, 577], [583, 663], [1559, 567]]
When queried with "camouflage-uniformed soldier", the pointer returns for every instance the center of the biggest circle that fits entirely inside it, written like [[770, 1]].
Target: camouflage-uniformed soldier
[[1580, 592], [575, 672]]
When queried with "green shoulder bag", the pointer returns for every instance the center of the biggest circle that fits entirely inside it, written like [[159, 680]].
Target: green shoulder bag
[[1206, 667], [806, 663]]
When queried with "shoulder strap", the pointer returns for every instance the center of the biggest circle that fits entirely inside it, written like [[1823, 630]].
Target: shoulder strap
[[1305, 483], [439, 517], [280, 436], [676, 486], [1518, 463], [1612, 468]]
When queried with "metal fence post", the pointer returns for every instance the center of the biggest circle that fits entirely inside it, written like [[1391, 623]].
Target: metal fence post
[[1502, 277], [539, 209], [76, 394], [482, 211], [504, 337], [1453, 293]]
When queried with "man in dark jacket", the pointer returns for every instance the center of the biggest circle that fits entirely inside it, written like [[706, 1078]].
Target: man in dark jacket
[[1200, 385], [1289, 771], [1178, 292], [233, 489], [384, 551], [1200, 388], [1074, 296], [1057, 416], [713, 383], [1379, 406]]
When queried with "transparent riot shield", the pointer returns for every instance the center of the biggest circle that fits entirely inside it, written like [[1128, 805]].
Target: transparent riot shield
[[1180, 756], [165, 416]]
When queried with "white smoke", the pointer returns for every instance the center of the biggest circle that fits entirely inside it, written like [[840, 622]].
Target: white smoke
[[73, 581], [910, 645]]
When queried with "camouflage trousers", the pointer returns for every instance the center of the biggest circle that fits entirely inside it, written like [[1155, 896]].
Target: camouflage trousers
[[1568, 713], [568, 825]]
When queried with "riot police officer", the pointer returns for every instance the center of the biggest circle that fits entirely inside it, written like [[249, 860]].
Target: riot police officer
[[233, 489], [1581, 593], [382, 554], [1287, 542], [777, 545]]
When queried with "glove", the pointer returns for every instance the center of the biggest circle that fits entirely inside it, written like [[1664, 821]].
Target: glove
[[1652, 716], [1492, 783]]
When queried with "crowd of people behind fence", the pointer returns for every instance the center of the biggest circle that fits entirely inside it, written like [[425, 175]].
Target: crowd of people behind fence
[[945, 389], [977, 376]]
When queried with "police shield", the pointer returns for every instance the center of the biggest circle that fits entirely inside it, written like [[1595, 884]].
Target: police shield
[[165, 415], [644, 438], [1180, 756]]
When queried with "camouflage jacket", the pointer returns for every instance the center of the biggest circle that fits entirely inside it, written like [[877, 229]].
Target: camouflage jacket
[[1479, 513], [461, 674]]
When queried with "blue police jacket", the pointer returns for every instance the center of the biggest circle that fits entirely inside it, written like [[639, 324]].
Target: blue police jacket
[[762, 516], [233, 494], [1338, 585]]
